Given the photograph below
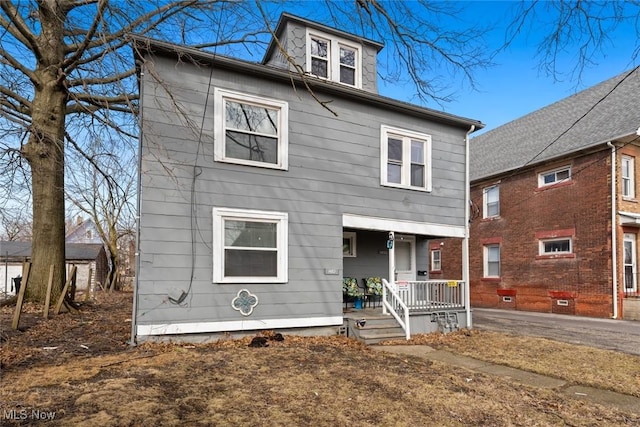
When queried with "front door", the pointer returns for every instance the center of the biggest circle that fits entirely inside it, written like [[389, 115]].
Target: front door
[[405, 252], [630, 284]]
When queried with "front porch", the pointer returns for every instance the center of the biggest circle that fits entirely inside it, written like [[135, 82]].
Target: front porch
[[409, 307]]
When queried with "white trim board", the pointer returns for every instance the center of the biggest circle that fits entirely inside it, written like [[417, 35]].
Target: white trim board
[[235, 325], [402, 226]]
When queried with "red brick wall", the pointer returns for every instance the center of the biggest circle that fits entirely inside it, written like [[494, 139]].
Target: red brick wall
[[580, 208]]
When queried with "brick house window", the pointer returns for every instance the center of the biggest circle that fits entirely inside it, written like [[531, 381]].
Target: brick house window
[[554, 176], [628, 181], [492, 261], [491, 202], [436, 260], [555, 246]]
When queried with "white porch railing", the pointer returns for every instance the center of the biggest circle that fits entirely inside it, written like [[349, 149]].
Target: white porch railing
[[432, 295], [404, 297], [393, 302]]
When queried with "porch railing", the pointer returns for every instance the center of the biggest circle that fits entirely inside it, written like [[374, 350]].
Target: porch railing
[[392, 301], [432, 295]]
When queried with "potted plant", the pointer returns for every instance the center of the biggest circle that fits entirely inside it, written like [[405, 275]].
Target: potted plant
[[350, 290]]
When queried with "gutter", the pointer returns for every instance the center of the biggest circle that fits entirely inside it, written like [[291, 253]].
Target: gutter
[[465, 241], [614, 232]]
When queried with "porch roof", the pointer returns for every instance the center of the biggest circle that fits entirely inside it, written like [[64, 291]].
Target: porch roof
[[629, 218]]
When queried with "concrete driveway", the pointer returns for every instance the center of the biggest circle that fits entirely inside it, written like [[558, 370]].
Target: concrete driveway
[[619, 335]]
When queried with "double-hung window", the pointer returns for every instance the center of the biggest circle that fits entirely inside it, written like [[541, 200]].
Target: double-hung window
[[554, 176], [333, 59], [250, 130], [491, 199], [249, 246], [436, 260], [492, 261], [628, 181], [405, 159]]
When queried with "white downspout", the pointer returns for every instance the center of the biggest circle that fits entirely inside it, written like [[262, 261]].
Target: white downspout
[[614, 231], [465, 241]]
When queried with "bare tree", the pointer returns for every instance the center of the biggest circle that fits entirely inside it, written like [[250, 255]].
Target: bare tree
[[107, 196], [16, 223], [67, 79], [580, 31]]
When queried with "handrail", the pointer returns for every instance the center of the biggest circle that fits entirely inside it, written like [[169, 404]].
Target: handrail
[[396, 303]]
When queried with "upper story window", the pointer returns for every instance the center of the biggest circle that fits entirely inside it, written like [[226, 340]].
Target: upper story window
[[628, 177], [491, 201], [249, 246], [334, 59], [250, 130], [554, 176], [405, 159]]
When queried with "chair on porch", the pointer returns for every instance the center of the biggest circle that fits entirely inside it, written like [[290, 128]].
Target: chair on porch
[[373, 290], [349, 290]]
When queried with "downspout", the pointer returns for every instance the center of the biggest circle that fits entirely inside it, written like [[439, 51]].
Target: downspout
[[614, 232], [465, 241], [136, 282]]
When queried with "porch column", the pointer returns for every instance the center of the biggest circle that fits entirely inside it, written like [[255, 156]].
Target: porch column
[[392, 262]]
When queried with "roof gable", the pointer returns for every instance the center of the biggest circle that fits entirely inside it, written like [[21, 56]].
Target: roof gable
[[603, 113]]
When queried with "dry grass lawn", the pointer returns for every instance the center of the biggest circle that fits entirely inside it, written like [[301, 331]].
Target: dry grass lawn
[[299, 381]]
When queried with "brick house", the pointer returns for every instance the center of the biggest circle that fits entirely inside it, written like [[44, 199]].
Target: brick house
[[555, 212]]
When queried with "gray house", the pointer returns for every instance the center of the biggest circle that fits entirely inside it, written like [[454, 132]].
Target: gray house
[[256, 200]]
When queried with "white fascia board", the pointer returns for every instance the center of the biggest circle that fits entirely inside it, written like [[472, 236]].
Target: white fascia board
[[402, 226], [235, 325]]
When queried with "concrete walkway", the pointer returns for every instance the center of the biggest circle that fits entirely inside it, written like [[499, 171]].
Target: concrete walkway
[[603, 397]]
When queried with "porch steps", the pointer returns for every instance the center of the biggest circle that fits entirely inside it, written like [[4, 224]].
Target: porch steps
[[375, 329]]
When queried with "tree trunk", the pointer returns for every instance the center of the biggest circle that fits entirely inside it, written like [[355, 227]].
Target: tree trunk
[[45, 153]]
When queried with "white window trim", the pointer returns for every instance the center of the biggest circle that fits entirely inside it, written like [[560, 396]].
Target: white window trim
[[486, 248], [541, 176], [485, 202], [385, 131], [220, 95], [352, 244], [631, 238], [282, 221], [333, 65], [542, 252], [630, 178], [433, 266]]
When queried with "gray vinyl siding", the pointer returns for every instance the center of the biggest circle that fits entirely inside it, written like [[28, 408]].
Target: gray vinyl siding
[[334, 168]]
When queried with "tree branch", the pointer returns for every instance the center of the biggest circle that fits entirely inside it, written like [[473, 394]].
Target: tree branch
[[22, 31]]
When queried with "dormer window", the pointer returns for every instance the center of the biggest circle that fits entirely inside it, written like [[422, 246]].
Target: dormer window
[[333, 59]]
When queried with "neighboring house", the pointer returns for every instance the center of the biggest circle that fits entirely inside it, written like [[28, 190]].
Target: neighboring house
[[85, 256], [256, 201], [82, 231], [555, 206]]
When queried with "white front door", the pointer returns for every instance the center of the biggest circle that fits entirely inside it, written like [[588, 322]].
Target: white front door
[[405, 253], [630, 283]]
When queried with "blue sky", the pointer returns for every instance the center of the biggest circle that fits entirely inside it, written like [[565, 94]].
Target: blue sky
[[515, 86]]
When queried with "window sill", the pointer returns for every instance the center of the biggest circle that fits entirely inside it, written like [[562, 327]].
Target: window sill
[[491, 279], [559, 256], [406, 187], [557, 185], [491, 218], [435, 272], [629, 199]]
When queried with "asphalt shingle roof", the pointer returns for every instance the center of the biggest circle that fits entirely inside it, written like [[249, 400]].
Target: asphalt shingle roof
[[611, 110], [73, 251]]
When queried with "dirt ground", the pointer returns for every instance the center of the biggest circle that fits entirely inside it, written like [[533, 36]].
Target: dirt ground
[[78, 369]]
